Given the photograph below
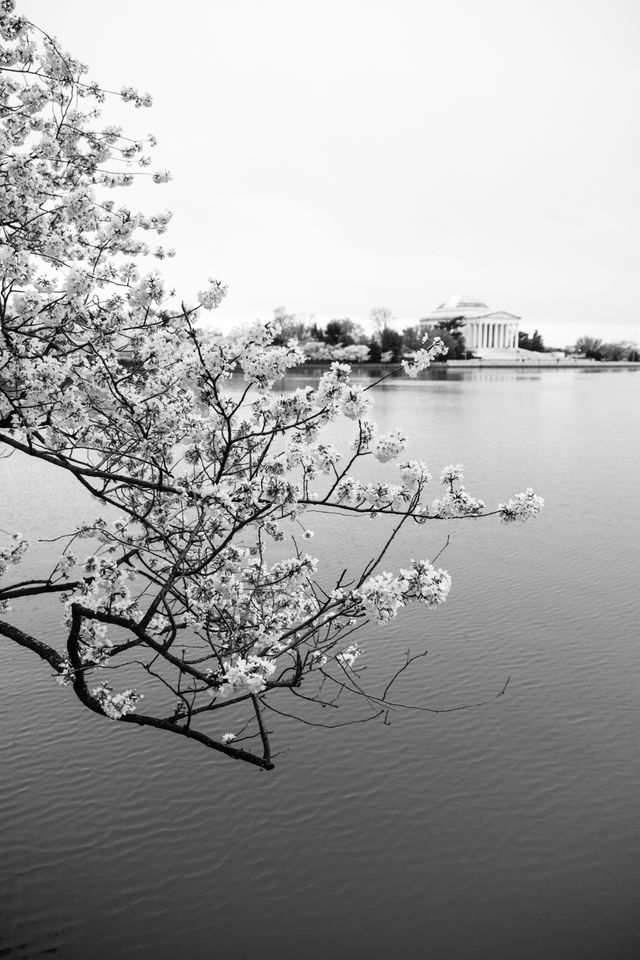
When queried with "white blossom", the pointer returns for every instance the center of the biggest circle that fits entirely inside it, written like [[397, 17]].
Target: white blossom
[[354, 403], [422, 358], [14, 553], [451, 474], [422, 582], [212, 296], [240, 675], [388, 446], [381, 596], [522, 507], [115, 705], [349, 655], [457, 503]]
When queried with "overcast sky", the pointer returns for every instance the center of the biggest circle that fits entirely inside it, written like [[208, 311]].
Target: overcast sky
[[335, 156]]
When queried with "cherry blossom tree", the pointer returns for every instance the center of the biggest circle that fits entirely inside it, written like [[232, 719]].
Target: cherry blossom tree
[[191, 588]]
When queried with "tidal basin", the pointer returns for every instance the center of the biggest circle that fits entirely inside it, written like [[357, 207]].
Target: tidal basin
[[508, 830]]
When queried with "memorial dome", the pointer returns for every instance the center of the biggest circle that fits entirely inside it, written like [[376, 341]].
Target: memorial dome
[[462, 301]]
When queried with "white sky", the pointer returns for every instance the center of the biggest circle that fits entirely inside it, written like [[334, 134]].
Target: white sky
[[335, 156]]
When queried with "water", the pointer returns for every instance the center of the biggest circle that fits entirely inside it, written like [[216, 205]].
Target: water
[[509, 830]]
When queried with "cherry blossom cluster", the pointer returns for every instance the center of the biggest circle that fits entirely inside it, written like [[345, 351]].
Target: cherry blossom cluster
[[422, 582], [374, 497], [451, 474], [241, 675], [212, 296], [94, 647], [13, 554], [257, 602], [384, 594], [456, 502], [10, 556], [422, 358], [388, 446], [115, 705], [106, 589], [381, 596], [522, 507], [414, 474], [355, 404], [348, 656]]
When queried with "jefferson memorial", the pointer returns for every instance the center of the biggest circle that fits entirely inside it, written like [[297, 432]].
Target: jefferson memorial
[[486, 332]]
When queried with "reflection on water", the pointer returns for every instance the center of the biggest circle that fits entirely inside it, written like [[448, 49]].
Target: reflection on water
[[508, 831]]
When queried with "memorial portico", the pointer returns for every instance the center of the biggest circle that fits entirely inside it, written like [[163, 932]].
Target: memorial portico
[[483, 329]]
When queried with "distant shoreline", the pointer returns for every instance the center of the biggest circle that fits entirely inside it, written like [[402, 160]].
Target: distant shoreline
[[545, 362], [565, 362]]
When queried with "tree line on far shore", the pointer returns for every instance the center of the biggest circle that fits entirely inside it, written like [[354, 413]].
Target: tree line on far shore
[[595, 349], [344, 339]]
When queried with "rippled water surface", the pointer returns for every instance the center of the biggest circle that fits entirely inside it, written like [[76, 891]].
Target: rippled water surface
[[507, 831]]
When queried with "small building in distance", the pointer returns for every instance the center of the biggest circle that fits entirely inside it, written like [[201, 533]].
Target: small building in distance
[[487, 333]]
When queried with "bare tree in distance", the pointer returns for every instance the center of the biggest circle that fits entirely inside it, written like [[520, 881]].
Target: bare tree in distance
[[381, 318]]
